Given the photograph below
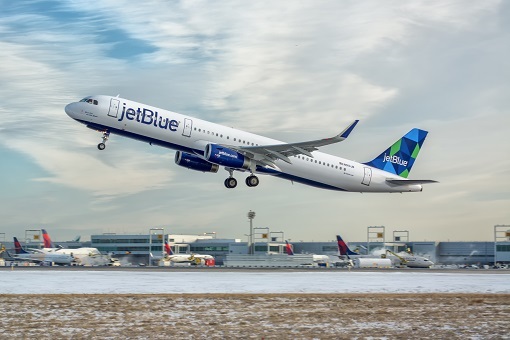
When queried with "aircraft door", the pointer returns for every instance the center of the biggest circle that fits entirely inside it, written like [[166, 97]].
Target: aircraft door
[[367, 177], [188, 124], [114, 107]]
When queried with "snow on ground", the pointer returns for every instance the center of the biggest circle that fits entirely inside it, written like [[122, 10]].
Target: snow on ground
[[161, 282]]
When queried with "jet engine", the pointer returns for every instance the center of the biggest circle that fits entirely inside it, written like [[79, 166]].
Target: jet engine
[[194, 162], [221, 155]]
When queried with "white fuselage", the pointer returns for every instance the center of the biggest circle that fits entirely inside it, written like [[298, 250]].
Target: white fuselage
[[45, 257], [181, 258], [411, 261], [77, 253], [191, 135]]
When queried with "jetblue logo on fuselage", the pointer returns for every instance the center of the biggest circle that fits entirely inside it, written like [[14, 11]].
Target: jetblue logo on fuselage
[[394, 159], [223, 153], [148, 117]]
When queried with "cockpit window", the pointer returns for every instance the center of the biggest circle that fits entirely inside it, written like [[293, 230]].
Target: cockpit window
[[89, 100]]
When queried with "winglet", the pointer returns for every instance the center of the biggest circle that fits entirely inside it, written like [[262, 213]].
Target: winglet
[[348, 130]]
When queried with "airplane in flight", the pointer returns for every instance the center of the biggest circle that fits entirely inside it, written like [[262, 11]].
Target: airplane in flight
[[405, 259], [205, 146], [39, 256]]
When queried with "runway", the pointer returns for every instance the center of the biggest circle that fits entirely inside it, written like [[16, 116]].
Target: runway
[[57, 280]]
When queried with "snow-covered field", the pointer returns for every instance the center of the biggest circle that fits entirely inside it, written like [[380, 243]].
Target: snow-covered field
[[248, 281]]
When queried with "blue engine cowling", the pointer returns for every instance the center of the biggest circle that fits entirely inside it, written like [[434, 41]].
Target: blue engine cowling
[[194, 162], [221, 155]]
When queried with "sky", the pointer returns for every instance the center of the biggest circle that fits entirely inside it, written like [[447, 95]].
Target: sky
[[289, 70]]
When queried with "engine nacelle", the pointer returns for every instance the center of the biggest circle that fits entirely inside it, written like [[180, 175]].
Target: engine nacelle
[[221, 155], [194, 162]]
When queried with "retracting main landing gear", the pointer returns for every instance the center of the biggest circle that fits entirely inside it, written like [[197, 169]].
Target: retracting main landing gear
[[102, 145], [252, 181], [230, 182]]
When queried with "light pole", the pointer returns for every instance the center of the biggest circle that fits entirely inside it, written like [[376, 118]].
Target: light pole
[[160, 232], [251, 216]]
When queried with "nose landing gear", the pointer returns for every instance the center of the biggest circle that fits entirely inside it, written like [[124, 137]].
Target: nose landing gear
[[102, 145]]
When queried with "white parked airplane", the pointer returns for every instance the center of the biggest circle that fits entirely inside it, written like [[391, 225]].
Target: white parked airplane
[[39, 256], [79, 253], [185, 258], [205, 146], [289, 249], [405, 259]]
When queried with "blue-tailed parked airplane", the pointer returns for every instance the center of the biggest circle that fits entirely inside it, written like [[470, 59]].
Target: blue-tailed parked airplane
[[205, 146]]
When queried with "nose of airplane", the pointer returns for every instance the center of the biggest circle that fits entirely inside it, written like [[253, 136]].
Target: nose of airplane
[[70, 109]]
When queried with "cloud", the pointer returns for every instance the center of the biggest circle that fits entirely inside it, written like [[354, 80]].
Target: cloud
[[290, 70]]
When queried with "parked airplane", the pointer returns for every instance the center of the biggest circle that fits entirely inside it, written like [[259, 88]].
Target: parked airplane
[[288, 248], [411, 260], [406, 259], [343, 249], [185, 258], [205, 146], [316, 258], [39, 256], [79, 253]]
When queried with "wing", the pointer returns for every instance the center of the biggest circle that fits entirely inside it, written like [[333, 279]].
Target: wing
[[268, 154]]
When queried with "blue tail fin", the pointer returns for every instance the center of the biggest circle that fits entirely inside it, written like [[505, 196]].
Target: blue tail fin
[[288, 247], [18, 249], [400, 157], [343, 248]]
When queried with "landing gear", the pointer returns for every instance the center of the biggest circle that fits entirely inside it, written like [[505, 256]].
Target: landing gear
[[102, 145], [252, 181], [231, 182]]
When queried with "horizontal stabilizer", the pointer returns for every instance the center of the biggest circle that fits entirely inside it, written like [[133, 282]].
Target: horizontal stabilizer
[[410, 181]]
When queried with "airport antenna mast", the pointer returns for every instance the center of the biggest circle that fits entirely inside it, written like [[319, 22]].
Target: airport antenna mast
[[251, 216]]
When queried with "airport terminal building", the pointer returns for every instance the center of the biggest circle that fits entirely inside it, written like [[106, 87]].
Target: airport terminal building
[[147, 249], [138, 248]]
